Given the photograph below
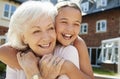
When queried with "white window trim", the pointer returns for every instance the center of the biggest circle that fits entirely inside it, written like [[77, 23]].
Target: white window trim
[[45, 0], [84, 6], [8, 18], [82, 29], [99, 3], [3, 37], [100, 31]]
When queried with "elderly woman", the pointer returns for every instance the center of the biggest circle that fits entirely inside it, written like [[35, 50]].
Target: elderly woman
[[32, 28]]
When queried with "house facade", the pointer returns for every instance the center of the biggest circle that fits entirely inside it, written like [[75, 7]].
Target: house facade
[[7, 7], [101, 21]]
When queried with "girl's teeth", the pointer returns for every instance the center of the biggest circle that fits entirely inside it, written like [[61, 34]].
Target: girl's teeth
[[67, 36]]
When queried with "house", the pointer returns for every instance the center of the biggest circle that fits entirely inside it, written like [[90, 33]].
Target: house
[[7, 7], [101, 21]]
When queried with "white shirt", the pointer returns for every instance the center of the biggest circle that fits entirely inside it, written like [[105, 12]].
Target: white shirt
[[69, 53]]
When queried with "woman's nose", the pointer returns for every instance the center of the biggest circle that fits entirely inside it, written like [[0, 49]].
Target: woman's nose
[[45, 37]]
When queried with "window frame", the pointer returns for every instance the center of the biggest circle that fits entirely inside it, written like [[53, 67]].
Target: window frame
[[2, 38], [82, 28], [101, 27], [100, 3], [85, 6], [11, 6]]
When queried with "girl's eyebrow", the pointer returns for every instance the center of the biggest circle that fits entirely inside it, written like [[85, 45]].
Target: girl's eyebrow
[[78, 21], [66, 19]]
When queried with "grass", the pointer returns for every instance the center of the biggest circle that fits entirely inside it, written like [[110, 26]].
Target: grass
[[103, 72]]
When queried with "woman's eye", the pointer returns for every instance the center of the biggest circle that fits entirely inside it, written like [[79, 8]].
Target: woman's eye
[[36, 31], [64, 22], [51, 28]]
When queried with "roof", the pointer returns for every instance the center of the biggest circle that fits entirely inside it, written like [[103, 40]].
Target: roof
[[20, 1], [111, 4]]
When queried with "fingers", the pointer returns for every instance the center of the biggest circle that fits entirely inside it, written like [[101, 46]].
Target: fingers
[[45, 59], [52, 60], [25, 57]]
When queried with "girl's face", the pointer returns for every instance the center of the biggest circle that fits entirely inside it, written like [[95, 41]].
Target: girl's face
[[41, 36], [67, 25]]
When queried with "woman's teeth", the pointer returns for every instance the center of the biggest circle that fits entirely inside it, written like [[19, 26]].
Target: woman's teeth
[[45, 45]]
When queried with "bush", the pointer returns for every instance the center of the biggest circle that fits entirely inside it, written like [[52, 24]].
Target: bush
[[2, 67]]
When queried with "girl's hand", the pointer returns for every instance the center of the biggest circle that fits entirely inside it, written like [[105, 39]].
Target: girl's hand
[[29, 62], [50, 66]]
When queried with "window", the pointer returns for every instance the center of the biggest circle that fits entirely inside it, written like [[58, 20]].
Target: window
[[101, 26], [45, 0], [84, 28], [62, 0], [110, 53], [85, 6], [8, 10], [2, 40], [101, 3]]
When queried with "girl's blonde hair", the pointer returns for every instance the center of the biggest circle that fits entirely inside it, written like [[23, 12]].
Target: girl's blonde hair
[[71, 4]]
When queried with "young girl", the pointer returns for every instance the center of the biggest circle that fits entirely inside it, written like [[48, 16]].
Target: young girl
[[67, 28]]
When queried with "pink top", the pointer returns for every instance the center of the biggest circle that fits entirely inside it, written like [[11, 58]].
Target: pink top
[[69, 53]]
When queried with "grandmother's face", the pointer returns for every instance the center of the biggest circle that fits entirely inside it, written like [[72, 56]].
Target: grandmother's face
[[41, 36]]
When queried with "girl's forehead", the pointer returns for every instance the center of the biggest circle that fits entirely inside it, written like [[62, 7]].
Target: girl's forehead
[[68, 10], [70, 7]]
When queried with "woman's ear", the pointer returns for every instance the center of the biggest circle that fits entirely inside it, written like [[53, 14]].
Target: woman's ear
[[24, 39]]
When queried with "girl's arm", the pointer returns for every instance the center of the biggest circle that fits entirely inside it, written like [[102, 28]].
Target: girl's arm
[[85, 66], [72, 71], [71, 68], [71, 65], [8, 56]]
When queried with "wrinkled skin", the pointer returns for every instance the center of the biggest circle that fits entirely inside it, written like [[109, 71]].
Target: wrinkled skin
[[49, 66]]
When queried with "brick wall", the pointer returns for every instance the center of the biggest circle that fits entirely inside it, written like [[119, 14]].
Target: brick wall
[[94, 39], [3, 30]]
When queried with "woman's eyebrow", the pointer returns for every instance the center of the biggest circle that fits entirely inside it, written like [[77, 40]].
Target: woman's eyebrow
[[63, 18]]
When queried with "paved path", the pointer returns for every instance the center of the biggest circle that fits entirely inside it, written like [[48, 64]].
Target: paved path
[[106, 77]]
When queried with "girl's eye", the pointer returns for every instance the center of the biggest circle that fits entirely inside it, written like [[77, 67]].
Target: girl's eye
[[76, 24]]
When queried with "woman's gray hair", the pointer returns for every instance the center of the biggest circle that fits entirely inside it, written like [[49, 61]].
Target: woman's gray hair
[[26, 14]]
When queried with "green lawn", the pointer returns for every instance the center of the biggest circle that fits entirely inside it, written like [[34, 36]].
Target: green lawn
[[103, 72]]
